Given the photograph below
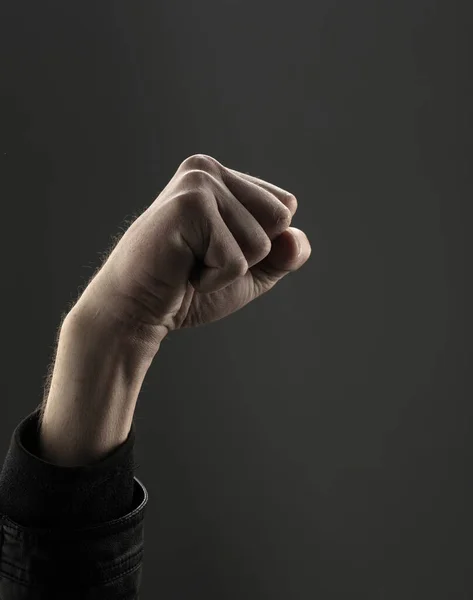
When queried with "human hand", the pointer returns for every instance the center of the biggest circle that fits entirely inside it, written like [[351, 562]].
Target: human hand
[[212, 241]]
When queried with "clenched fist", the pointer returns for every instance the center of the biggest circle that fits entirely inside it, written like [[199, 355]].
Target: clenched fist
[[212, 241]]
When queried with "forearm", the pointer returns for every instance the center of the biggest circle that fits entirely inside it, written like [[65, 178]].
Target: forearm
[[97, 377]]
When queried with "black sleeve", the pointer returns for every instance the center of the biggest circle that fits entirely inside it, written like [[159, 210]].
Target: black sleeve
[[35, 493]]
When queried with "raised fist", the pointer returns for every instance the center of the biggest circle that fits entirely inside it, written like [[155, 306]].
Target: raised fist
[[212, 241]]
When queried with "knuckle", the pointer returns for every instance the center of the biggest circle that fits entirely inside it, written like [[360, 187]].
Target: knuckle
[[201, 162], [196, 178], [191, 199]]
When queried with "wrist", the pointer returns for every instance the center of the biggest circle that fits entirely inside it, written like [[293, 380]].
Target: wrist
[[98, 373], [95, 312]]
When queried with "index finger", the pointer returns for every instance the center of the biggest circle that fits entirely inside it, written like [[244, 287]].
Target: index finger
[[284, 196]]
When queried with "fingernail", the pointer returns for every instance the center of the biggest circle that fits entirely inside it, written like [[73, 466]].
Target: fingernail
[[299, 246]]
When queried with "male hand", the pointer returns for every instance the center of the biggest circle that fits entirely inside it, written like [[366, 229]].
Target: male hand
[[212, 241]]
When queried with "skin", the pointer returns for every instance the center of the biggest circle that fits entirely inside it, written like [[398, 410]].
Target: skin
[[212, 241]]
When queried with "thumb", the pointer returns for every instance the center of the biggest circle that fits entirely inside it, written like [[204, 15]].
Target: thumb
[[283, 258]]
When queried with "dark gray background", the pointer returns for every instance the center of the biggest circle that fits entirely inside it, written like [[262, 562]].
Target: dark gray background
[[316, 444]]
